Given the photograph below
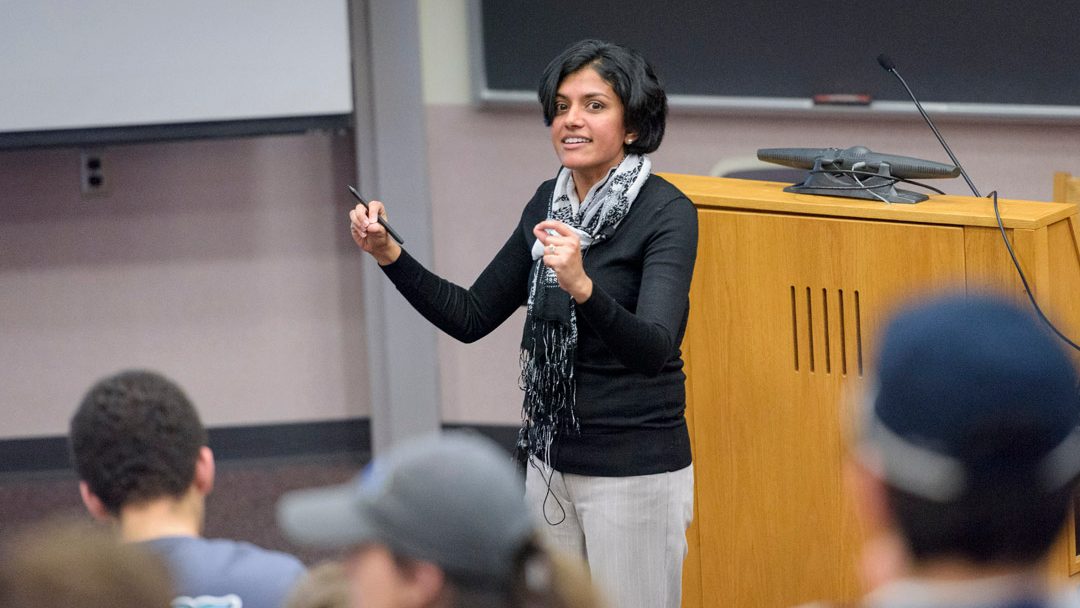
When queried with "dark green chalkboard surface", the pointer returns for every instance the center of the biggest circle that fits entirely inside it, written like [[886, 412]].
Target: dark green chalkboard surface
[[950, 51]]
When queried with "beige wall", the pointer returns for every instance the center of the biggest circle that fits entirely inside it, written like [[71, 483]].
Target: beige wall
[[222, 263]]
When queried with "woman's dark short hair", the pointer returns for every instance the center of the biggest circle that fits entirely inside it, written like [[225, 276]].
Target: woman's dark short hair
[[629, 75]]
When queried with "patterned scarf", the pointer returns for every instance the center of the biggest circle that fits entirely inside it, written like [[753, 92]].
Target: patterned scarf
[[549, 343]]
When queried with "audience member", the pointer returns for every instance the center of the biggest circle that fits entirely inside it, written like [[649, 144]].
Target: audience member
[[143, 462], [440, 521], [61, 563], [968, 454]]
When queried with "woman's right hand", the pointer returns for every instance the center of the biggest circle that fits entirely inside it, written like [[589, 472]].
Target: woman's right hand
[[370, 235]]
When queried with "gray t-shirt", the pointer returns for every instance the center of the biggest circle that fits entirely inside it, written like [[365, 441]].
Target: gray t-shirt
[[219, 573]]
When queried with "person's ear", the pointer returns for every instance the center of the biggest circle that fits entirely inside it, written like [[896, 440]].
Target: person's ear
[[870, 496], [93, 504], [883, 555], [204, 471], [427, 584]]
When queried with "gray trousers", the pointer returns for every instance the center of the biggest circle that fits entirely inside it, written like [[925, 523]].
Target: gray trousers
[[631, 530]]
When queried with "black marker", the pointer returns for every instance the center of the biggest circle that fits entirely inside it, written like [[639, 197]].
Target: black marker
[[381, 220]]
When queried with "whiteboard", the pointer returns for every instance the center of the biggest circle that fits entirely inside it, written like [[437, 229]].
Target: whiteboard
[[85, 64]]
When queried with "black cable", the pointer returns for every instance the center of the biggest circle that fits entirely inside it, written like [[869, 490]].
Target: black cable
[[549, 493], [1023, 279], [892, 179]]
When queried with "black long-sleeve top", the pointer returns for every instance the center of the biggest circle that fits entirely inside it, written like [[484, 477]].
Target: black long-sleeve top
[[630, 385]]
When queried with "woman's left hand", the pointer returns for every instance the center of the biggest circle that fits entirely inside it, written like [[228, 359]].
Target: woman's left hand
[[562, 253]]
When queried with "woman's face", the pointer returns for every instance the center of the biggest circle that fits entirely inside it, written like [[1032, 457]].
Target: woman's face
[[588, 130]]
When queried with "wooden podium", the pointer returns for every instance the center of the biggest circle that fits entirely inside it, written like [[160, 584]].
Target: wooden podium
[[788, 296]]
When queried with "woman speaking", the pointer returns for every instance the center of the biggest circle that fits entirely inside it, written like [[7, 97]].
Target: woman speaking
[[602, 258]]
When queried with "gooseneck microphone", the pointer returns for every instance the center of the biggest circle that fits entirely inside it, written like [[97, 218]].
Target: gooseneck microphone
[[889, 66]]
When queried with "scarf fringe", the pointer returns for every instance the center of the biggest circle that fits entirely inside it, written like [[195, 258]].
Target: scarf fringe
[[547, 377]]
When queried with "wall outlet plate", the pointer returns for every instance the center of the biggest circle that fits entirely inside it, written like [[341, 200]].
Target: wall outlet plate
[[93, 177]]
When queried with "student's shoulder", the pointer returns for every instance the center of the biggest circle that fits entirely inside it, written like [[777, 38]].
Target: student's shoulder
[[251, 552], [234, 555]]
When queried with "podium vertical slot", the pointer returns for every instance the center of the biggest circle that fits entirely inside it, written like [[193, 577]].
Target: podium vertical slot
[[843, 334], [858, 331], [810, 326], [794, 328], [825, 325]]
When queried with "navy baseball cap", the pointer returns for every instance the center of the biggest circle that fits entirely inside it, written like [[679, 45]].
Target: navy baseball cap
[[971, 390], [452, 499]]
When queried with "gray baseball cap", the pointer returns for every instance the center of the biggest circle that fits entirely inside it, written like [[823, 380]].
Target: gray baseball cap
[[453, 499]]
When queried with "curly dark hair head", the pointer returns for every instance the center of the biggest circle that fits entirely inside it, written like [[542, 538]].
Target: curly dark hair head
[[136, 437], [630, 76]]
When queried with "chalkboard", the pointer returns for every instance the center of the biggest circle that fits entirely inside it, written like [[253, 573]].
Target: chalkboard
[[1003, 57]]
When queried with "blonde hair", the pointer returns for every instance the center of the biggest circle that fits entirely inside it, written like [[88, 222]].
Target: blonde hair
[[67, 563], [542, 578], [325, 585]]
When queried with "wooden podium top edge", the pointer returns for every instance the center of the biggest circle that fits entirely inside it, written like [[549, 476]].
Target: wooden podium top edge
[[752, 195]]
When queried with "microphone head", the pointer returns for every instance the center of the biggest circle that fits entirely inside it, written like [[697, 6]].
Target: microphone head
[[884, 61]]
